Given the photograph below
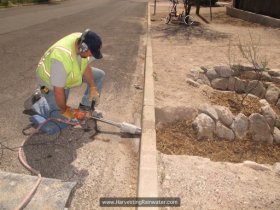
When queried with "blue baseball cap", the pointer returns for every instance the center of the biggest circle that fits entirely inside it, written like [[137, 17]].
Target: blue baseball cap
[[94, 44]]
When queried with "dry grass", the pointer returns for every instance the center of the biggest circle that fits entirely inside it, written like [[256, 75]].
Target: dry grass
[[179, 139], [233, 100]]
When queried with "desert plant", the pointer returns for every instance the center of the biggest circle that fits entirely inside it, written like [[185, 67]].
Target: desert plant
[[250, 52]]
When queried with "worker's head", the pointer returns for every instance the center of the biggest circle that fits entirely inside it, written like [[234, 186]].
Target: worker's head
[[90, 44]]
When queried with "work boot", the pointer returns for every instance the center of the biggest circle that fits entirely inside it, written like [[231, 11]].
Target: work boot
[[84, 108]]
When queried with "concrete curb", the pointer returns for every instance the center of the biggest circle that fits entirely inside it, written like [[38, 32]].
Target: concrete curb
[[253, 17], [147, 177]]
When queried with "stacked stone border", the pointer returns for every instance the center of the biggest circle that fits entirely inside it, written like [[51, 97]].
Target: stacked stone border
[[219, 120]]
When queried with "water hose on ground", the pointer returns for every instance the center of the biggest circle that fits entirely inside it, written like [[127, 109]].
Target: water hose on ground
[[22, 160]]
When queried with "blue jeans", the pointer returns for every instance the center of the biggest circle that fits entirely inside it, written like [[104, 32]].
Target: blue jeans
[[49, 109]]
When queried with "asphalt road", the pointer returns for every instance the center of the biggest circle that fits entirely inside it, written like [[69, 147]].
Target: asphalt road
[[105, 165]]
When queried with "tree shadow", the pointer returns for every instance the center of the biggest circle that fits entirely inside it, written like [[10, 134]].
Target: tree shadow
[[182, 32]]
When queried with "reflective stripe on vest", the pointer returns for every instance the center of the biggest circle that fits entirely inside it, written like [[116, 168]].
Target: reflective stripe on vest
[[64, 51]]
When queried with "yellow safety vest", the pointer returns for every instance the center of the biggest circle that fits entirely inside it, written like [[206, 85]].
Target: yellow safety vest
[[64, 51]]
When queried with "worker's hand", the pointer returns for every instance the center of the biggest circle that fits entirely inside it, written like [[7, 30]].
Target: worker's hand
[[70, 113], [78, 114], [94, 95]]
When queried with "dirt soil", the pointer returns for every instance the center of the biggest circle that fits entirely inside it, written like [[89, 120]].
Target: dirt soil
[[177, 50]]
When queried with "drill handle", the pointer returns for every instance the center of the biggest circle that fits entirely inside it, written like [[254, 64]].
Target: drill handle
[[92, 108]]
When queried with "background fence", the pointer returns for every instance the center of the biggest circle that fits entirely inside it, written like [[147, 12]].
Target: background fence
[[264, 7]]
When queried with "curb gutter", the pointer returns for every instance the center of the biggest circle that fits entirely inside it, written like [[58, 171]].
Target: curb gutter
[[147, 177]]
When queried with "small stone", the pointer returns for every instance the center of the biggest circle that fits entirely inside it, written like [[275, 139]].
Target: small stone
[[252, 96], [276, 135], [263, 102], [276, 168], [269, 115], [209, 110], [243, 67], [252, 75], [255, 166], [236, 84], [192, 83], [204, 69], [277, 122], [274, 72], [220, 83], [212, 74], [224, 115], [278, 103], [265, 76], [167, 177], [260, 129], [276, 79], [272, 94], [224, 71], [240, 126], [203, 126], [204, 79], [224, 132], [257, 88], [197, 70]]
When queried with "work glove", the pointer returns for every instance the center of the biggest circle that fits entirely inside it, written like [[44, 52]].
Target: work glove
[[70, 113], [94, 95]]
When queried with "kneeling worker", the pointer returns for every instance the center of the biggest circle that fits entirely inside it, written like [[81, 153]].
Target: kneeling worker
[[67, 64]]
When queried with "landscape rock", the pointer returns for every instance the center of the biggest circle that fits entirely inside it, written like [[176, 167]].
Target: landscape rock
[[256, 166], [220, 83], [205, 69], [252, 75], [224, 132], [269, 115], [260, 129], [203, 126], [197, 70], [256, 87], [240, 126], [252, 96], [272, 94], [274, 72], [277, 122], [224, 71], [203, 79], [276, 135], [192, 82], [263, 102], [224, 115], [278, 103], [265, 76], [236, 84], [276, 168], [212, 74], [240, 68], [209, 110], [276, 79]]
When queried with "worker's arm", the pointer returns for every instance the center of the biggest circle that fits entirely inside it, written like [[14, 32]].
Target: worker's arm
[[60, 98], [88, 75]]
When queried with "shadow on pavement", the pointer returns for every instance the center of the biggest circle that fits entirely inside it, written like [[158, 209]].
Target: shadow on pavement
[[53, 155]]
